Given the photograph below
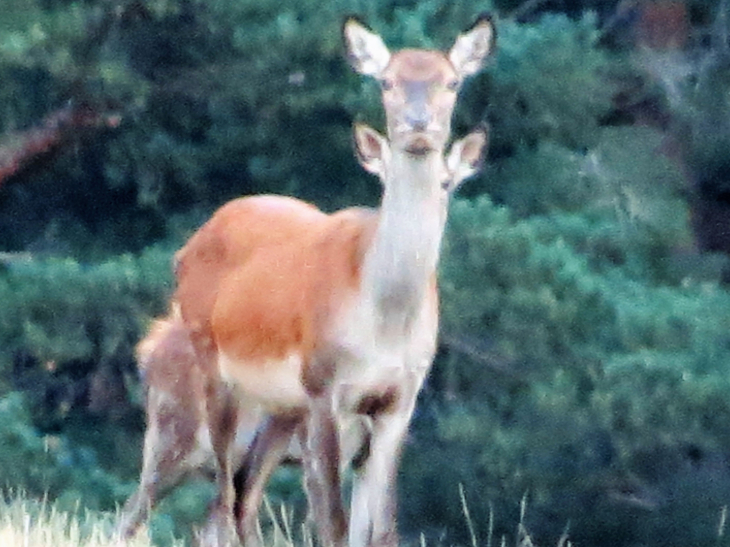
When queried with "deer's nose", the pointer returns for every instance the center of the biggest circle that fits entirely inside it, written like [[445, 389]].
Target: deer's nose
[[417, 118]]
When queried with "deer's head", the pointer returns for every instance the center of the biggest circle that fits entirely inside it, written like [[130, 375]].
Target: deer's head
[[419, 86]]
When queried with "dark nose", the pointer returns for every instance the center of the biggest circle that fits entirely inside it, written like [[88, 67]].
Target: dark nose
[[417, 119]]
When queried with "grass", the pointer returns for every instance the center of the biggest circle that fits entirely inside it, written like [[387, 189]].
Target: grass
[[25, 522], [522, 538], [30, 523]]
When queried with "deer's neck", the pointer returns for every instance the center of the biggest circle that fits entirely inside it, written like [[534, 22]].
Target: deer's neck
[[403, 256]]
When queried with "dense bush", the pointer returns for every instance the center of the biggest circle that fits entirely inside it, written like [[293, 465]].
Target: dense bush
[[591, 370], [67, 332], [50, 465]]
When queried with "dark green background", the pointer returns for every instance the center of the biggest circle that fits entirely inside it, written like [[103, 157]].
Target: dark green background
[[584, 363]]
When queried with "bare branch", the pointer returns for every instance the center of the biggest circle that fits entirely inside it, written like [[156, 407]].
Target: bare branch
[[19, 150]]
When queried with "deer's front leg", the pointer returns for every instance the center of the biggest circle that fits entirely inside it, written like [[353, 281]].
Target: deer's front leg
[[321, 457], [374, 503]]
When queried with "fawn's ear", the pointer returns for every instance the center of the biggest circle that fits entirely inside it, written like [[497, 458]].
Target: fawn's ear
[[366, 51], [371, 149], [465, 157], [471, 49]]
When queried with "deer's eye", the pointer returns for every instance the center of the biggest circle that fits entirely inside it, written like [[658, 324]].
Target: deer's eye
[[452, 85], [386, 85]]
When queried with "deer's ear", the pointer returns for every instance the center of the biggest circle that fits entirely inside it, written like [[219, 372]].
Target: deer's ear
[[366, 51], [472, 48], [466, 156], [371, 148]]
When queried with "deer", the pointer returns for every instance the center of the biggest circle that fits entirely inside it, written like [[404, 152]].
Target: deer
[[418, 113], [418, 91], [331, 329], [177, 440]]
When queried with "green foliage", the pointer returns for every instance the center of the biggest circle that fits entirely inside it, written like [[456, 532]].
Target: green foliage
[[66, 329], [56, 305], [62, 322], [529, 283], [547, 84], [216, 99], [593, 368], [693, 85], [621, 202], [49, 465], [52, 45]]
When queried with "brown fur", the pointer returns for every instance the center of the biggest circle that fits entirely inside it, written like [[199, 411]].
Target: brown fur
[[174, 398], [235, 232], [256, 315], [176, 416]]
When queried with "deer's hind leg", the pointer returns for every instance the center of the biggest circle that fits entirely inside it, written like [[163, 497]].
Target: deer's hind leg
[[222, 417], [168, 443], [271, 444]]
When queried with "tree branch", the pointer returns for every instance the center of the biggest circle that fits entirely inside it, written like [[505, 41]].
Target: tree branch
[[22, 149]]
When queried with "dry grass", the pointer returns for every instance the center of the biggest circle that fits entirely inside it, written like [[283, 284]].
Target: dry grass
[[25, 522], [30, 523], [522, 536]]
